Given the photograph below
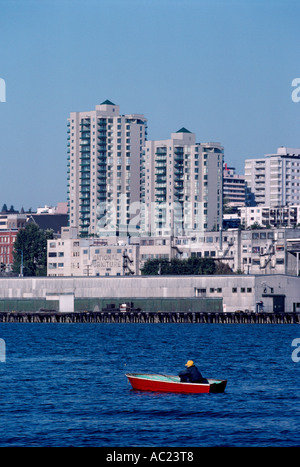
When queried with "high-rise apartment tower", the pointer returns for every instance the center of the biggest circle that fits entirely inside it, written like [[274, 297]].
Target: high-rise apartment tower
[[104, 157], [182, 185], [274, 180]]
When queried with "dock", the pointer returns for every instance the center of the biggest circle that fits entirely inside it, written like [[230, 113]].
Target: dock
[[149, 317]]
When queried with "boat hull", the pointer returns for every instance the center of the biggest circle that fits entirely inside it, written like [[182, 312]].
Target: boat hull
[[164, 383]]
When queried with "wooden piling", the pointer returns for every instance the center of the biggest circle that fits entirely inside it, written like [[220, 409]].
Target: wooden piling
[[149, 317]]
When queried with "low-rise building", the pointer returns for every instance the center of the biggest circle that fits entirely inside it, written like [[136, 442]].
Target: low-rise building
[[73, 256], [7, 240], [230, 293], [266, 216], [260, 251]]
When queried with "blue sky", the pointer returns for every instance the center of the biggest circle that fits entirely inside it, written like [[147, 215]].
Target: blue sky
[[223, 69]]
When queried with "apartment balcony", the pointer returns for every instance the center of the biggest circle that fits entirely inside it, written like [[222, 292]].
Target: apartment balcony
[[161, 151], [85, 184], [178, 196], [178, 160], [161, 189], [85, 165], [178, 176], [85, 202], [85, 149], [160, 197], [159, 165], [84, 210], [160, 171]]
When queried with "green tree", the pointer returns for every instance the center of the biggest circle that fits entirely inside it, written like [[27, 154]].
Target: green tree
[[190, 266], [31, 244]]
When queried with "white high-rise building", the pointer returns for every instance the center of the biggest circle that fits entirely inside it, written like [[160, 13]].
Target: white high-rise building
[[182, 185], [104, 157], [274, 180], [233, 187]]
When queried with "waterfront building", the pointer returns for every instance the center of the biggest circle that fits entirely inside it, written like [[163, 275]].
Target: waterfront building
[[274, 180], [104, 157], [71, 255], [260, 251], [181, 185], [230, 293]]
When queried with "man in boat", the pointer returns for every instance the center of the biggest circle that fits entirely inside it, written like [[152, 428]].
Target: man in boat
[[191, 374]]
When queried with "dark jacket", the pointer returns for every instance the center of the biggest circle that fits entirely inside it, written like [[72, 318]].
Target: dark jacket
[[191, 374]]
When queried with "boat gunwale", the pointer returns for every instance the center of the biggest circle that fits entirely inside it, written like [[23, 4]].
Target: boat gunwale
[[140, 376]]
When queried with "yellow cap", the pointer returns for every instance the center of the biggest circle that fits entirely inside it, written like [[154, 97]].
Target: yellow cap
[[189, 363]]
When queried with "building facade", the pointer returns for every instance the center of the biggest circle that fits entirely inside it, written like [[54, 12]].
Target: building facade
[[282, 216], [104, 156], [233, 188], [270, 293], [260, 251], [274, 180], [12, 221], [181, 185], [7, 240], [71, 255]]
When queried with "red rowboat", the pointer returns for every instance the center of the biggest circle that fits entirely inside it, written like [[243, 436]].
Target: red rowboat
[[166, 383]]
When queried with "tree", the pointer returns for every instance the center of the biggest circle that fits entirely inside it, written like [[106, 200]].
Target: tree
[[4, 208], [255, 226], [190, 266], [31, 244]]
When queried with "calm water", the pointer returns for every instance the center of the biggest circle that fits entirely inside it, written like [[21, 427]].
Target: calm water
[[64, 385]]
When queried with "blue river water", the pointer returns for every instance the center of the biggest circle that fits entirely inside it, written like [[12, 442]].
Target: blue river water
[[65, 385]]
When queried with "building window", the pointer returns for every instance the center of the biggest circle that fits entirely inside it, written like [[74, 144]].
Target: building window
[[200, 292]]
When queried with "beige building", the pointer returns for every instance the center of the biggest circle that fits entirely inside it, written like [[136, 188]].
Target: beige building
[[104, 154], [73, 256], [12, 221], [181, 185], [262, 251]]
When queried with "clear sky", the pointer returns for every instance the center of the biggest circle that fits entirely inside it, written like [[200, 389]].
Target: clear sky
[[221, 68]]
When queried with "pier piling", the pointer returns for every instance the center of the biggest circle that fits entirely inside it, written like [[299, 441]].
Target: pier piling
[[149, 317]]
